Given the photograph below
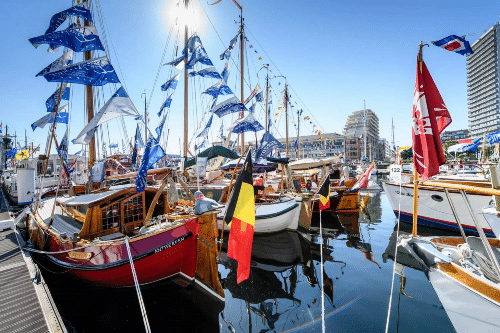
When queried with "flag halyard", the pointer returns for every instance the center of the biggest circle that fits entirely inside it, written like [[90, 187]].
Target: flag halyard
[[241, 213]]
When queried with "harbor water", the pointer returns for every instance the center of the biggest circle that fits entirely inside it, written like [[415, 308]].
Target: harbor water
[[284, 291]]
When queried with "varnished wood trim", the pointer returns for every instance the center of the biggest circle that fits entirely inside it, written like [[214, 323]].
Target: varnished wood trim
[[455, 241], [470, 281]]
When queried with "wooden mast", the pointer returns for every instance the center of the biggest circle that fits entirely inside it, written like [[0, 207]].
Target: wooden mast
[[90, 108], [285, 99], [415, 172], [267, 100], [185, 150], [242, 97], [298, 134]]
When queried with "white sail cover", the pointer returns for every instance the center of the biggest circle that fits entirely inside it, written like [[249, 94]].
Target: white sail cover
[[118, 105]]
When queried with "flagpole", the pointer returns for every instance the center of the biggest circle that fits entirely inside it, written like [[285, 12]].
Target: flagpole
[[415, 172]]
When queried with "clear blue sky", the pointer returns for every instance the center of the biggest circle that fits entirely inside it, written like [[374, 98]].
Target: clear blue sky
[[335, 54]]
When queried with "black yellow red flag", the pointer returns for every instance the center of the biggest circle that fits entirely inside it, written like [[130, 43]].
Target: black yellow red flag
[[324, 194], [240, 213]]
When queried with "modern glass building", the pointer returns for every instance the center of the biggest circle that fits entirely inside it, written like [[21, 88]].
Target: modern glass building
[[483, 76]]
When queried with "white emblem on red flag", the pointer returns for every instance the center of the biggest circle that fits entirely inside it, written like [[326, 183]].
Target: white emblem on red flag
[[430, 118]]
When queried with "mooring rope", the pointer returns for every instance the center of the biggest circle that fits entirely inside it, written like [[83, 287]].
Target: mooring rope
[[395, 258], [139, 295]]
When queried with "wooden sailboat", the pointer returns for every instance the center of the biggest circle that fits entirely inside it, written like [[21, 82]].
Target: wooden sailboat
[[98, 237]]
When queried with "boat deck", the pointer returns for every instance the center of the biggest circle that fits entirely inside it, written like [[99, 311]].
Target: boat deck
[[26, 302]]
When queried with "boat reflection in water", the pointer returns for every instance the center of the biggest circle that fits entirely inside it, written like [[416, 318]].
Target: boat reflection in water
[[276, 297]]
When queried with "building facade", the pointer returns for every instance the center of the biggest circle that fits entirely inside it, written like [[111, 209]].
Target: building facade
[[454, 135], [364, 124], [483, 76], [315, 146]]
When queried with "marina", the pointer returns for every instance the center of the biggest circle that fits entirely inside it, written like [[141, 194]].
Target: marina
[[207, 167]]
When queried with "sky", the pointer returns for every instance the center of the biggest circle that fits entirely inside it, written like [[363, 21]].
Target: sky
[[334, 54]]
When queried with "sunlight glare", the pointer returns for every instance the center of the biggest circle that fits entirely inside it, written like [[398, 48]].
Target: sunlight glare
[[177, 15]]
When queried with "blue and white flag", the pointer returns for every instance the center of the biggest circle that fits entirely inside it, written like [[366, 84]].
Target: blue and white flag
[[172, 83], [138, 118], [95, 72], [220, 88], [267, 144], [207, 72], [199, 55], [454, 43], [11, 152], [61, 62], [202, 145], [118, 105], [260, 96], [225, 72], [62, 117], [230, 105], [247, 124], [113, 145], [59, 18], [159, 128], [227, 52], [138, 143], [166, 104], [152, 154], [296, 143], [493, 138], [207, 127], [179, 62], [79, 152], [52, 100], [62, 150], [221, 130], [78, 39], [252, 94], [251, 109]]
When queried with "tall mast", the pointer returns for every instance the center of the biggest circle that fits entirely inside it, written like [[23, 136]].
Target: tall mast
[[286, 117], [393, 143], [90, 108], [298, 134], [242, 41], [185, 151], [267, 100], [364, 128]]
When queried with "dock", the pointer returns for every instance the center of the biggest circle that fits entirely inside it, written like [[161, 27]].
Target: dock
[[26, 303]]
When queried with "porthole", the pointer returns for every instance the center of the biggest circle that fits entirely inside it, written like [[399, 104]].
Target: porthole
[[437, 198]]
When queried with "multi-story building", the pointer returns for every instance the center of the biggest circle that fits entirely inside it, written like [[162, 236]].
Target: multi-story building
[[315, 146], [483, 76], [454, 135], [364, 124]]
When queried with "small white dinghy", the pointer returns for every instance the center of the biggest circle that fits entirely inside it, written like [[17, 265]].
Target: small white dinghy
[[277, 215]]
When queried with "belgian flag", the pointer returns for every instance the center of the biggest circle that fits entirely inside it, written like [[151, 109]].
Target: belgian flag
[[241, 214], [324, 194]]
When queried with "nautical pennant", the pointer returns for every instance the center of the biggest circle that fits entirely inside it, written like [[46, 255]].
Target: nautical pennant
[[230, 105], [52, 100], [207, 127], [172, 83], [454, 43], [59, 18], [95, 72], [118, 105], [62, 117], [166, 104], [152, 154], [227, 52], [61, 62], [79, 39], [240, 213], [207, 72]]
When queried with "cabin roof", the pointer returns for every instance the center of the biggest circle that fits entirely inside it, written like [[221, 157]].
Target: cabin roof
[[88, 199]]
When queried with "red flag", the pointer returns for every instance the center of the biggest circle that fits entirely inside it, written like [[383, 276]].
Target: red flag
[[430, 118]]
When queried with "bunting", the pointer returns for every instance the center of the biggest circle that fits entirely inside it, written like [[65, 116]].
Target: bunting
[[210, 72], [172, 83], [79, 39], [95, 72], [207, 127], [227, 52], [59, 18], [61, 62], [230, 105], [52, 100], [62, 117]]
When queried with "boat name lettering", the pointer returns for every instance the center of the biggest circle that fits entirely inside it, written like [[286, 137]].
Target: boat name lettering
[[172, 243], [80, 255]]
